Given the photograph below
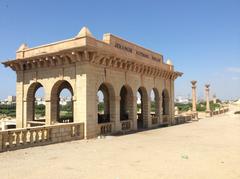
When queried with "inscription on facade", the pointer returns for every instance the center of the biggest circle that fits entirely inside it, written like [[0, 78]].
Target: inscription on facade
[[156, 59], [122, 47], [139, 53], [142, 54]]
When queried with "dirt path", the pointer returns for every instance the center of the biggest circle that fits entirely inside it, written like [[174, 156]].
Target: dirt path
[[209, 148]]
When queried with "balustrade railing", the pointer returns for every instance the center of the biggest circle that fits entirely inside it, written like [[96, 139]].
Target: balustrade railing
[[105, 128], [126, 125], [154, 118], [165, 118], [220, 111], [33, 136]]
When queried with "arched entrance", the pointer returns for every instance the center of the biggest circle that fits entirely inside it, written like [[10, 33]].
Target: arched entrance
[[165, 102], [106, 99], [62, 102], [142, 108], [126, 103], [35, 105], [155, 112], [165, 106]]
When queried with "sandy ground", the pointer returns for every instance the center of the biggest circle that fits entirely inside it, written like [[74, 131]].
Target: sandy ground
[[208, 149]]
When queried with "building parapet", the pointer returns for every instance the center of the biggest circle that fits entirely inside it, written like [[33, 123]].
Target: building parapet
[[35, 136], [112, 51]]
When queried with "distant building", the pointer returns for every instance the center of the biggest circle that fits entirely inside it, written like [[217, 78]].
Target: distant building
[[64, 100], [40, 101], [183, 100], [11, 99]]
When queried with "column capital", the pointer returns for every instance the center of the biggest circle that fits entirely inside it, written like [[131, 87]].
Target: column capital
[[194, 83], [207, 86]]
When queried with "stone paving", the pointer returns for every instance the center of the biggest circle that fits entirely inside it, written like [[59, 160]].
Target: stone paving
[[209, 148]]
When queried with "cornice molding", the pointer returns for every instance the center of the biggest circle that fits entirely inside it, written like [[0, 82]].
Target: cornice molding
[[92, 57]]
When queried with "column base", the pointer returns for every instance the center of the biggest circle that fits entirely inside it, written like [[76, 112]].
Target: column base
[[208, 113]]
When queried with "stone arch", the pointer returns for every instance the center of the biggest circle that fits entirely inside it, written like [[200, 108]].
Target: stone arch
[[126, 103], [108, 103], [154, 106], [30, 101], [156, 99], [142, 115], [55, 99], [165, 102]]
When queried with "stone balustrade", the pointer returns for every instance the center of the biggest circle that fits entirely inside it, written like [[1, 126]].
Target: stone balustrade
[[180, 119], [34, 136], [220, 111], [165, 118], [126, 125], [105, 128], [154, 119]]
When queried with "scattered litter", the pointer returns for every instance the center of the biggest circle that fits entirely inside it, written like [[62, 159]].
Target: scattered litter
[[184, 157]]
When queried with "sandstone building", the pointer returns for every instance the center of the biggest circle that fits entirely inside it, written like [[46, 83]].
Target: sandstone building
[[84, 66]]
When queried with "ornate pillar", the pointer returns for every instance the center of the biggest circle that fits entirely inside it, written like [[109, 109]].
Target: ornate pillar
[[194, 98], [157, 108], [207, 100], [135, 122], [48, 120], [20, 104], [117, 114], [148, 110], [28, 111], [160, 110]]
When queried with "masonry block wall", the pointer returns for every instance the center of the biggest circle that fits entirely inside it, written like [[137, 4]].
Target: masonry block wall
[[82, 65]]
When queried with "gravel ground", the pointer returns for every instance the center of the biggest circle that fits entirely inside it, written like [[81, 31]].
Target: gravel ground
[[209, 148]]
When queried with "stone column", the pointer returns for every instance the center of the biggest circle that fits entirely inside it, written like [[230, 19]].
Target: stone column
[[160, 110], [194, 98], [1, 142], [149, 117], [207, 100], [117, 114], [157, 108], [48, 112], [135, 126], [20, 100]]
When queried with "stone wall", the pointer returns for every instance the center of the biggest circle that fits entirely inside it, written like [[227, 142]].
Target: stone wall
[[85, 80], [36, 136]]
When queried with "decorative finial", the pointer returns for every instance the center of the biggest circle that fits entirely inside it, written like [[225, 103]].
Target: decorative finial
[[22, 47], [84, 32], [169, 62]]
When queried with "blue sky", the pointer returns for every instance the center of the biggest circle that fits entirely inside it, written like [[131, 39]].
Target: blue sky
[[202, 38]]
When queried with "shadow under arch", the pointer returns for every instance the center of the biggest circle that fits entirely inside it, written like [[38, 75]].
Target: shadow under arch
[[31, 100], [55, 100], [126, 103], [155, 103], [165, 102], [142, 114], [106, 106]]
